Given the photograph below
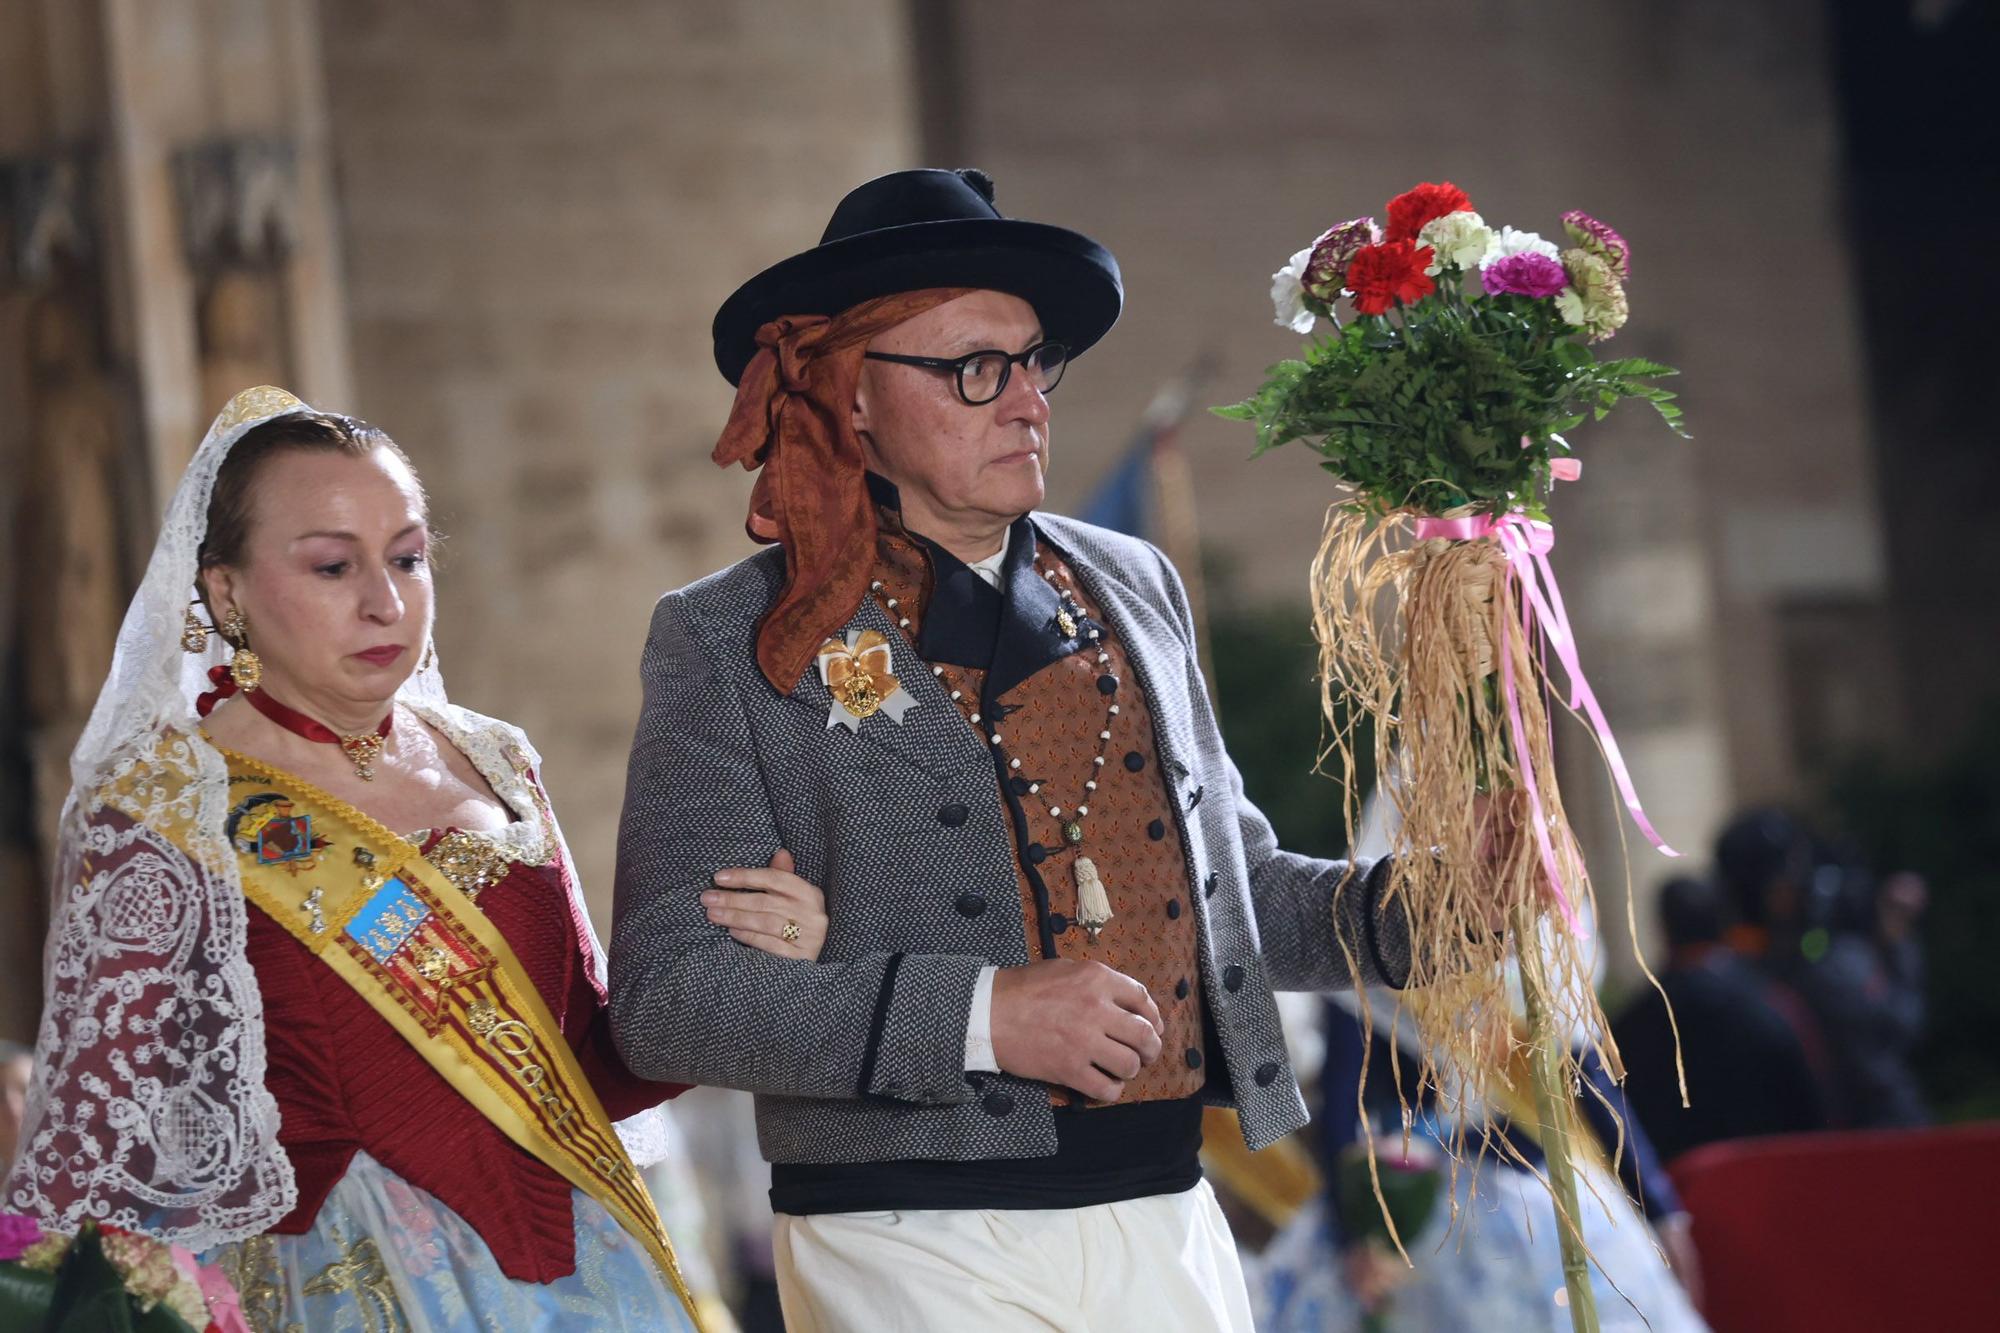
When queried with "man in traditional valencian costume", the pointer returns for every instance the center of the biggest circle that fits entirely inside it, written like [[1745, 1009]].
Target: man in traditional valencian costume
[[1056, 922]]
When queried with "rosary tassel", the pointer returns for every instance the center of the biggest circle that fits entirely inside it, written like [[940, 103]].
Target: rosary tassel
[[1093, 905]]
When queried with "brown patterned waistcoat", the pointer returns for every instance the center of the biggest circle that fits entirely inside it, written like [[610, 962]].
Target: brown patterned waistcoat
[[1049, 726]]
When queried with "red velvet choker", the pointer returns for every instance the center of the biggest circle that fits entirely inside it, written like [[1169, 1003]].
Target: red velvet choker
[[361, 750]]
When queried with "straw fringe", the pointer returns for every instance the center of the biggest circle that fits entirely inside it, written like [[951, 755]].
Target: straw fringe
[[1410, 640]]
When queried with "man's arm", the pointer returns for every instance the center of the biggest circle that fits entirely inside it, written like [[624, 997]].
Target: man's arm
[[688, 1003], [1311, 914]]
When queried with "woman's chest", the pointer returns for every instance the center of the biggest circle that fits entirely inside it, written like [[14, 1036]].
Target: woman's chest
[[408, 800]]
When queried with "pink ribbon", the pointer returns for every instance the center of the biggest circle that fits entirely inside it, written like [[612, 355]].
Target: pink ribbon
[[225, 1311], [1527, 543]]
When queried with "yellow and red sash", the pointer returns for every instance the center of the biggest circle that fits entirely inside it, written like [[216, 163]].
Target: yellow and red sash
[[409, 941]]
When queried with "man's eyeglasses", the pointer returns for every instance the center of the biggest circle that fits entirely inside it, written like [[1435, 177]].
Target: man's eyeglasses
[[982, 376]]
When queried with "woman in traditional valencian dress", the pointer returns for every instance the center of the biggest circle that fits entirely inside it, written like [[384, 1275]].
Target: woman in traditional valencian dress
[[322, 1000]]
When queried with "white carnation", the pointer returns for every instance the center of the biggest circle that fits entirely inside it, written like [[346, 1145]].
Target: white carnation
[[1511, 242], [1462, 241], [1288, 294]]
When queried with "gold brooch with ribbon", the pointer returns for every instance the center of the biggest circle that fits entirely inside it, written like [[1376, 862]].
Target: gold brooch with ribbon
[[856, 672]]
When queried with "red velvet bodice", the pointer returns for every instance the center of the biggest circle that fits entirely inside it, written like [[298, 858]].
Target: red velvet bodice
[[346, 1081]]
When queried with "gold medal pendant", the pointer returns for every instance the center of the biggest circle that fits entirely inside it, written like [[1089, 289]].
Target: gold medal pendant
[[362, 751], [856, 671], [858, 695]]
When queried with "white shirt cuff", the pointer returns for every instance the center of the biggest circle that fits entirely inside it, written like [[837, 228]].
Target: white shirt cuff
[[979, 1027]]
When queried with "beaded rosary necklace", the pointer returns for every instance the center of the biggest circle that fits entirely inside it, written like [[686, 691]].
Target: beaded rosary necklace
[[1093, 902]]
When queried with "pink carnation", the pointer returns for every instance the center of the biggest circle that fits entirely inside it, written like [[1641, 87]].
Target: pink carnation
[[17, 1233], [1600, 240], [1525, 274]]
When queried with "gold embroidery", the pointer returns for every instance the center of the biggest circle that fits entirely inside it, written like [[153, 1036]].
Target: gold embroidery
[[252, 1268], [361, 1273], [471, 862], [482, 1017]]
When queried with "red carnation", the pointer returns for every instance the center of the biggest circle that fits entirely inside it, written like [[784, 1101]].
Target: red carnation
[[1412, 210], [1384, 274]]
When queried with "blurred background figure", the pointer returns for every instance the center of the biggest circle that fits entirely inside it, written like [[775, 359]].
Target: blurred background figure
[[1331, 1267], [1744, 1040], [1817, 927]]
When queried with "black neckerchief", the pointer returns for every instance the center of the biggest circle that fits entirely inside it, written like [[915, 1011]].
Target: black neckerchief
[[1010, 632]]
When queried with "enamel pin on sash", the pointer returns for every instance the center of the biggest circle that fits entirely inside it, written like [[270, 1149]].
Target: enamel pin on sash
[[855, 671]]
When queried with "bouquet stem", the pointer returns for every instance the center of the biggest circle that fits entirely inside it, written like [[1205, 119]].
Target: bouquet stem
[[1545, 1063]]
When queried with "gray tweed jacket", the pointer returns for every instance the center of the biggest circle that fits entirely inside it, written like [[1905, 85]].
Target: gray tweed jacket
[[859, 1057]]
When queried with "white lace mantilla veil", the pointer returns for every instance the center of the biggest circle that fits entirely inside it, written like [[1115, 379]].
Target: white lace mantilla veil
[[148, 1108]]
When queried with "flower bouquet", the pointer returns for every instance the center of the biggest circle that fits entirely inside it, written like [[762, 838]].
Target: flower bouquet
[[1441, 404], [1379, 1201], [107, 1278]]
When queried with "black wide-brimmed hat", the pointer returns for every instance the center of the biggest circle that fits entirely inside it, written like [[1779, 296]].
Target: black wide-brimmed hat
[[915, 229]]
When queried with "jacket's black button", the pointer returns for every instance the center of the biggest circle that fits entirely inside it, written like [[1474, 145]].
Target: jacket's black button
[[951, 816], [1208, 886], [1173, 909], [1107, 684], [997, 1102], [1019, 786], [970, 904], [1058, 923], [1193, 1058], [1265, 1073], [1134, 760], [1037, 853], [1232, 977], [1181, 989], [1157, 829]]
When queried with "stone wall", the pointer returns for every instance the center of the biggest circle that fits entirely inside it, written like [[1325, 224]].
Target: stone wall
[[1204, 143], [543, 205]]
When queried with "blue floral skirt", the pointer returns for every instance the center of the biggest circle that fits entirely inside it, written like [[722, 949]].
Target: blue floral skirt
[[385, 1257]]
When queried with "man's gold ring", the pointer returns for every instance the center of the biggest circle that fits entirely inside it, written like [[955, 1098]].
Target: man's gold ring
[[791, 932]]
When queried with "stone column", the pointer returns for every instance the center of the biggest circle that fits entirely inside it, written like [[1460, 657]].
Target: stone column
[[167, 221]]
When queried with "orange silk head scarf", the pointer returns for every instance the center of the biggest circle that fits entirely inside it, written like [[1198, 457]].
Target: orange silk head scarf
[[793, 418]]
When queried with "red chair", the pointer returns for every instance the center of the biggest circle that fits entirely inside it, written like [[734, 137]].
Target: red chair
[[1871, 1232]]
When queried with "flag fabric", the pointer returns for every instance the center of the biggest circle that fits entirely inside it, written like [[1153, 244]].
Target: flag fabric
[[1123, 500]]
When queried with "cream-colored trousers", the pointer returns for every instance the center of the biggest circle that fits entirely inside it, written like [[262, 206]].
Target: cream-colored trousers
[[1164, 1264]]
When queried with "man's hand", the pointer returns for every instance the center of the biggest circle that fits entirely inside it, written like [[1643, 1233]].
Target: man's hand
[[1079, 1025], [1506, 825]]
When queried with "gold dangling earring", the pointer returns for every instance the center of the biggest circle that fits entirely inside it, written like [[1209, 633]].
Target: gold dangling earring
[[245, 668], [194, 634]]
